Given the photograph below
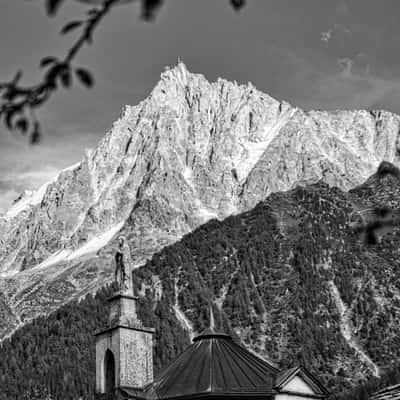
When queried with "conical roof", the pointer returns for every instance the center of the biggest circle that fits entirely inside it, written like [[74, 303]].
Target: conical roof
[[214, 364]]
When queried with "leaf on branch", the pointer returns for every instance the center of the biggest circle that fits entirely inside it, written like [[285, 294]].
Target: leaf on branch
[[238, 4], [66, 78], [8, 119], [149, 9], [53, 73], [92, 12], [17, 77], [47, 61], [22, 125], [85, 77], [89, 37], [10, 93], [71, 26], [35, 134], [52, 6], [39, 100]]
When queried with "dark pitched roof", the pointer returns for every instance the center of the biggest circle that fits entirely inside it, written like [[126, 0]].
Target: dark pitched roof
[[214, 364], [388, 393]]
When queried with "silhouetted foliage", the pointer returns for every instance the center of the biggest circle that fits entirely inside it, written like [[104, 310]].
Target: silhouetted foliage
[[19, 102], [381, 215], [386, 168], [238, 4]]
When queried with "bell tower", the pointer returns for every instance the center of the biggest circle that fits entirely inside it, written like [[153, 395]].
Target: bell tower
[[124, 348]]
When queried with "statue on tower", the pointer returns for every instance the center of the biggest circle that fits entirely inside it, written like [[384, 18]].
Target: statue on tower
[[123, 263]]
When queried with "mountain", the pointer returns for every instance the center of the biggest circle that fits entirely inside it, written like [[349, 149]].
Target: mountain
[[293, 278], [192, 151]]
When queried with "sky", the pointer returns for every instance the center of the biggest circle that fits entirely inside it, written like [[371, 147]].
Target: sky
[[315, 54]]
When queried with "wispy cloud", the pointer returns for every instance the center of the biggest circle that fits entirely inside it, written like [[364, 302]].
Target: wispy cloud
[[326, 36], [336, 30], [355, 87], [7, 198], [358, 64], [24, 167], [42, 175], [14, 183], [350, 83], [346, 66]]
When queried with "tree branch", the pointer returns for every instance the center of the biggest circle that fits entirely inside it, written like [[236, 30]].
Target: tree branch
[[18, 102]]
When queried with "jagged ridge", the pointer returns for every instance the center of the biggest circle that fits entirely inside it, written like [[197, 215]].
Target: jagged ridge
[[191, 151]]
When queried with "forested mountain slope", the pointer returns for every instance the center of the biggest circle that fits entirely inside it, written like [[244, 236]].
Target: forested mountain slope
[[191, 151], [295, 279]]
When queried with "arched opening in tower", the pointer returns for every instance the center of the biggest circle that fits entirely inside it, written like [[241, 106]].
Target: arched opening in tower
[[109, 371]]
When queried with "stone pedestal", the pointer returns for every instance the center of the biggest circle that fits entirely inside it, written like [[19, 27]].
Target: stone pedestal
[[124, 349]]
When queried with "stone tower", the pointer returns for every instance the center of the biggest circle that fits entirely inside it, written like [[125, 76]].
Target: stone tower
[[124, 349]]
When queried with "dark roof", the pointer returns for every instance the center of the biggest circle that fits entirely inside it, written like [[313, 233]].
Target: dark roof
[[214, 365], [388, 393]]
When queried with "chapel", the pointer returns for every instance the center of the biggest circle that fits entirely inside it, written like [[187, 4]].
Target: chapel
[[213, 367]]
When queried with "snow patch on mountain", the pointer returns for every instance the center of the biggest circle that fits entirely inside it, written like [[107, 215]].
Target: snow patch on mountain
[[92, 246], [34, 197], [205, 213], [28, 199], [180, 315], [347, 330], [253, 150], [220, 300]]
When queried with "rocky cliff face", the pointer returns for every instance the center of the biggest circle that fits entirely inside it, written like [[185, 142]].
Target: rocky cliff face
[[191, 151]]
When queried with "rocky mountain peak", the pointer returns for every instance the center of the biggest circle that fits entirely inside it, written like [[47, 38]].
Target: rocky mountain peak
[[190, 152], [178, 73]]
